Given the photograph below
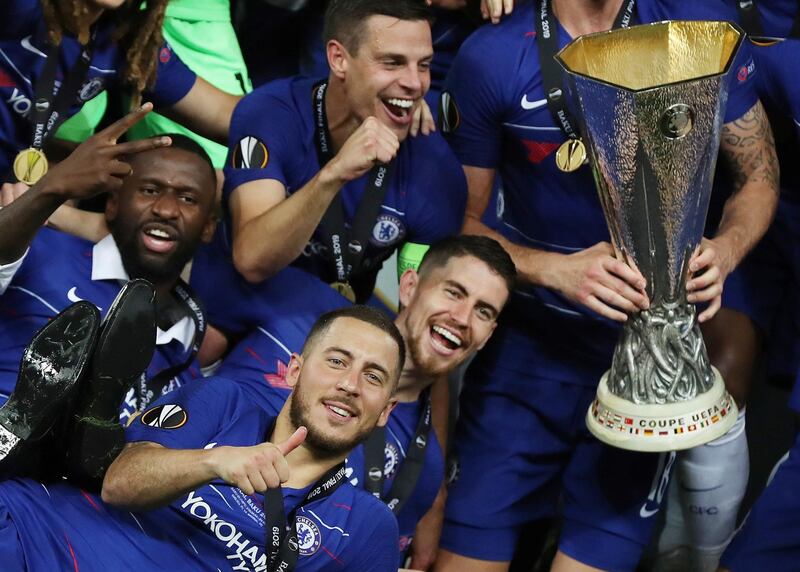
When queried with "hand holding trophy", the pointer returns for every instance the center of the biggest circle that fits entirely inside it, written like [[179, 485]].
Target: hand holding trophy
[[650, 102]]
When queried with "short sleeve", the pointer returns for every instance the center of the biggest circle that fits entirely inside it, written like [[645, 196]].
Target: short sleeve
[[742, 94], [187, 418], [438, 197], [471, 106], [173, 78], [259, 145]]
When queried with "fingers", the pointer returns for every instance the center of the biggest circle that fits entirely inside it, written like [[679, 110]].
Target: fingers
[[635, 296], [595, 304], [294, 441], [415, 122], [119, 127], [427, 124], [132, 147], [628, 274], [613, 298], [712, 277], [702, 259], [256, 481], [10, 192], [385, 150], [493, 9], [712, 309]]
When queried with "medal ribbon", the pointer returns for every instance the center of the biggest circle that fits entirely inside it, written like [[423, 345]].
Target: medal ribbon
[[347, 247], [552, 75], [282, 546], [408, 473], [49, 109]]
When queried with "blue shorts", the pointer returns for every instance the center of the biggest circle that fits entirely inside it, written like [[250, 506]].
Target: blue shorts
[[524, 450], [770, 537], [765, 288]]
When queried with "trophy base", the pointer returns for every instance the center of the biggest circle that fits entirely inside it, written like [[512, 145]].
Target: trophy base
[[665, 427]]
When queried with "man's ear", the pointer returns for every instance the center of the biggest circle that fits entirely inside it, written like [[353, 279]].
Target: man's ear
[[337, 58], [383, 418], [112, 206], [486, 339], [293, 370], [408, 287], [209, 228]]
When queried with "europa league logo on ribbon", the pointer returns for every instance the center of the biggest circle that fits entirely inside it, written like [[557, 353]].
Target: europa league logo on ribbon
[[650, 102]]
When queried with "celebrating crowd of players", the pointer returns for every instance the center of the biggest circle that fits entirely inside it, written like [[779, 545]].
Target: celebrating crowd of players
[[239, 407]]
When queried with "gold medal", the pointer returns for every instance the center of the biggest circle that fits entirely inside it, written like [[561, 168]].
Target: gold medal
[[571, 155], [345, 290], [30, 165]]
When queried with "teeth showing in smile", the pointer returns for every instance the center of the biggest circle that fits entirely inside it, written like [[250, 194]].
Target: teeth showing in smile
[[403, 103], [156, 233], [448, 335], [339, 411]]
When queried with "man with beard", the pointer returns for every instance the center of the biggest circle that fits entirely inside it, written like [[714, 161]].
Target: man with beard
[[449, 308], [160, 208], [212, 472]]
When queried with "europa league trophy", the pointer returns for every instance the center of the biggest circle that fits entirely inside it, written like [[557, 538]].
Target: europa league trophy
[[650, 103]]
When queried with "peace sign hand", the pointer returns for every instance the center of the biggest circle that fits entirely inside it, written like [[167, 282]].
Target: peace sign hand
[[98, 164]]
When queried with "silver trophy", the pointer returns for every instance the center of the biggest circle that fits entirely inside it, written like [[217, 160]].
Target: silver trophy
[[650, 103]]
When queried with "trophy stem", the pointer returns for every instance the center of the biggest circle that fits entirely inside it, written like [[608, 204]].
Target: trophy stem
[[661, 357]]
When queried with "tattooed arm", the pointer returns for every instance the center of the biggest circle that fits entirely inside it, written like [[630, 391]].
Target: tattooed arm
[[749, 151]]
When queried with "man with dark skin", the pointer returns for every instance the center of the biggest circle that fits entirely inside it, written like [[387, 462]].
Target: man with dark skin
[[160, 208]]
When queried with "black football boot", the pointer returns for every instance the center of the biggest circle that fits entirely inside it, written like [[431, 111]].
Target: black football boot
[[50, 373], [123, 351]]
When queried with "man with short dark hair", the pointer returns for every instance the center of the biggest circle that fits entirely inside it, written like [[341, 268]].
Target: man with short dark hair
[[327, 179], [449, 309], [214, 475], [160, 208]]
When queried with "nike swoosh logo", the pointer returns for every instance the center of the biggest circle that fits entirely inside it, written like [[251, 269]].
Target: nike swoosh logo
[[73, 297], [645, 512], [26, 43], [528, 105]]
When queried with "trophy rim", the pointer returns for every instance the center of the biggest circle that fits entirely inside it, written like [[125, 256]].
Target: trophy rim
[[722, 72]]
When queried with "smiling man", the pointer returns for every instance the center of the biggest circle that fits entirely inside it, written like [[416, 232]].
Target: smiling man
[[449, 309], [209, 475], [161, 207], [322, 174]]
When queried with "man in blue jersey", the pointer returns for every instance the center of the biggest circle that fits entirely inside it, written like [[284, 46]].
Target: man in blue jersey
[[208, 475], [448, 310], [525, 396], [55, 55], [327, 179], [161, 207]]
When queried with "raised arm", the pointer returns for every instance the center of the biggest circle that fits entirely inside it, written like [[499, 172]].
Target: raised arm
[[270, 230], [206, 110], [95, 166]]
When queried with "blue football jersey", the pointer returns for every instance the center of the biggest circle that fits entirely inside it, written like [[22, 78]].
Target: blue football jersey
[[23, 52], [56, 272], [496, 116], [215, 526], [424, 201], [259, 362]]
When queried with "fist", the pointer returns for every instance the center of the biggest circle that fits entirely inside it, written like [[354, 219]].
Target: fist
[[371, 143]]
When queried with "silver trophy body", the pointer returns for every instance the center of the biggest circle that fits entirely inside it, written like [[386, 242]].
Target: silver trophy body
[[650, 103]]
